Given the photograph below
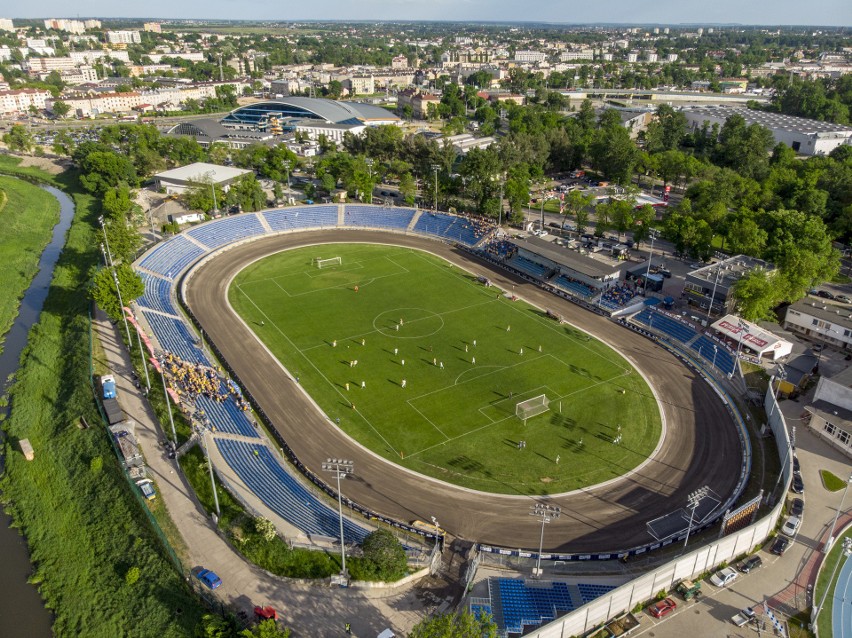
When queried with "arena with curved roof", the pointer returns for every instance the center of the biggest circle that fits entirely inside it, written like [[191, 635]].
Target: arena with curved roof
[[291, 109]]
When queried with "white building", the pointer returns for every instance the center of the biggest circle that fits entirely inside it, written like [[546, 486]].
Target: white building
[[123, 37], [530, 56], [651, 56], [192, 56], [831, 411], [807, 137], [579, 54], [820, 321], [90, 57], [332, 132], [6, 25], [671, 57], [72, 26], [177, 180], [152, 27], [21, 100]]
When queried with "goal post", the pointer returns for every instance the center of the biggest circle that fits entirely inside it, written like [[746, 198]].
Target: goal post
[[325, 263], [532, 407]]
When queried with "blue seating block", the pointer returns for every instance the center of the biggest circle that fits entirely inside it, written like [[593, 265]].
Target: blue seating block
[[157, 295], [172, 256], [368, 216], [175, 337], [319, 216], [224, 231]]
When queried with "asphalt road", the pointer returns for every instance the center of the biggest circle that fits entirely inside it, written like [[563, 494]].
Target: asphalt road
[[700, 444]]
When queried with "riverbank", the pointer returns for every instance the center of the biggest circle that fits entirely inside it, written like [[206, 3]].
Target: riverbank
[[85, 532]]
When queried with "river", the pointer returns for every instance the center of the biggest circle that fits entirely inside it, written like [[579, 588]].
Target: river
[[22, 611]]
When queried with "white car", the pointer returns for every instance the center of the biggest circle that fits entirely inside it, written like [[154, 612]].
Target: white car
[[724, 577], [791, 525]]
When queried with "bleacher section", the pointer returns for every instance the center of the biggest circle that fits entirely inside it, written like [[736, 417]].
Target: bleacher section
[[172, 256], [616, 297], [500, 248], [530, 267], [302, 217], [573, 286], [663, 323], [224, 231], [378, 217], [175, 337], [282, 493], [157, 294], [589, 592], [460, 229], [725, 361], [226, 416], [516, 604]]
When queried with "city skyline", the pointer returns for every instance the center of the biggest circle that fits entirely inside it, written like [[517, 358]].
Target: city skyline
[[670, 12]]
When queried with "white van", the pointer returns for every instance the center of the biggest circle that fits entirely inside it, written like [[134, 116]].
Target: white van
[[387, 633]]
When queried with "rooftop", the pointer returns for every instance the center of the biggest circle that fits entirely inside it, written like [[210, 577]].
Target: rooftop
[[773, 121], [568, 258], [817, 308], [729, 271], [202, 172]]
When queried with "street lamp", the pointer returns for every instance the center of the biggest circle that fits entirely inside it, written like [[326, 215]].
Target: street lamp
[[168, 406], [108, 260], [210, 467], [543, 201], [693, 501], [653, 236], [743, 326], [545, 513], [142, 354], [713, 294], [370, 171], [847, 552], [435, 168], [715, 352], [437, 530], [287, 169], [837, 515], [340, 468]]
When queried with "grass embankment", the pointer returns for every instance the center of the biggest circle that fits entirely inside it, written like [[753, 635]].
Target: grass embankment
[[831, 482], [825, 581], [85, 530], [27, 215]]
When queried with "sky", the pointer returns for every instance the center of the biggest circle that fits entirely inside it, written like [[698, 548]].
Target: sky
[[813, 12]]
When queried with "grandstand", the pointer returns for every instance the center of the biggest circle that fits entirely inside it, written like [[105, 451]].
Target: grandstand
[[530, 267], [225, 416], [157, 295], [617, 297], [460, 229], [227, 230], [500, 249], [665, 324], [172, 256], [281, 492], [303, 217], [724, 360], [378, 217], [572, 286], [174, 336]]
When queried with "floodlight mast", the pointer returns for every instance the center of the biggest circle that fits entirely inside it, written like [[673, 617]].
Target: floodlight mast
[[545, 513], [340, 468]]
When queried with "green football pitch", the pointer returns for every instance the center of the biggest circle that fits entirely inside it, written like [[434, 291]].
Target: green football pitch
[[420, 362]]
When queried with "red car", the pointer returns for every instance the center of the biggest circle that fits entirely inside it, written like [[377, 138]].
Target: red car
[[662, 608], [265, 613]]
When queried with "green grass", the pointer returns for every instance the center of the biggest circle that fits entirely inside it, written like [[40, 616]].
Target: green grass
[[84, 528], [831, 482], [824, 581], [457, 423], [27, 219]]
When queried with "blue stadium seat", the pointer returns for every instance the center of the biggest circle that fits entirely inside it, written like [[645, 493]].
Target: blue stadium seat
[[229, 229], [460, 229], [663, 323], [530, 267], [175, 337], [368, 216], [157, 295], [724, 360], [320, 216], [517, 605], [263, 473], [573, 286], [172, 256]]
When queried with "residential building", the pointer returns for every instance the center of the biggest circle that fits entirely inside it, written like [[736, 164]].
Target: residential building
[[192, 56], [671, 57], [418, 101], [92, 56], [46, 65], [79, 75], [820, 321], [831, 411], [20, 100], [464, 142], [651, 56], [633, 56], [399, 62], [577, 54], [5, 53], [123, 37], [530, 56], [714, 284], [72, 26], [6, 25], [152, 27], [807, 137], [360, 84]]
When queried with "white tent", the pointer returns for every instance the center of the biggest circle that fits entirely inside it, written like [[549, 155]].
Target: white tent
[[753, 337]]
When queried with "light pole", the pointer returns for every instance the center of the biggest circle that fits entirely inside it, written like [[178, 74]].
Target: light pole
[[107, 256], [715, 352], [287, 169], [713, 294], [544, 200], [168, 406], [370, 171], [545, 513], [837, 515], [340, 468], [210, 467], [437, 530], [693, 501], [743, 326], [653, 236], [142, 354], [847, 552], [435, 168]]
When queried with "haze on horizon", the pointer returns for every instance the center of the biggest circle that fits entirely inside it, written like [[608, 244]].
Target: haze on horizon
[[668, 12]]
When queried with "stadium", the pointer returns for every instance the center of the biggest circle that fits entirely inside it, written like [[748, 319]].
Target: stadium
[[700, 443]]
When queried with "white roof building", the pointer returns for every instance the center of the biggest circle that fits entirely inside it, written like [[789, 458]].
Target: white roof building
[[753, 337], [177, 180]]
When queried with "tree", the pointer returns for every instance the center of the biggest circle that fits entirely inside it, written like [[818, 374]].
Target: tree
[[265, 629], [102, 170], [200, 196], [744, 235], [19, 139], [757, 293], [408, 189], [622, 215], [643, 218], [61, 109], [744, 148], [666, 131], [384, 558], [517, 188], [463, 625], [577, 205], [104, 293], [613, 152], [247, 193]]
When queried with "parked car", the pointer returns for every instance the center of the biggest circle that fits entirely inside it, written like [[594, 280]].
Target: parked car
[[724, 577], [265, 613], [797, 507], [743, 617], [662, 608], [824, 294], [207, 577], [750, 564], [798, 485], [796, 467], [146, 486], [842, 299], [791, 525], [780, 546]]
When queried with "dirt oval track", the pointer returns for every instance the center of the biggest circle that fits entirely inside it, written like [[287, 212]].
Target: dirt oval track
[[701, 444]]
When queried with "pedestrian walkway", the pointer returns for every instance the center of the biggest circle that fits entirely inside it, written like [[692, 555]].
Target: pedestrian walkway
[[310, 609]]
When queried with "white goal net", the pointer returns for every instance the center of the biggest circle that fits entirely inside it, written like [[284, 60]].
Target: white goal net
[[325, 263], [532, 407]]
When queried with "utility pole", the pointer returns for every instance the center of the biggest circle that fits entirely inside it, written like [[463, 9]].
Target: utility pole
[[435, 168], [341, 469]]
